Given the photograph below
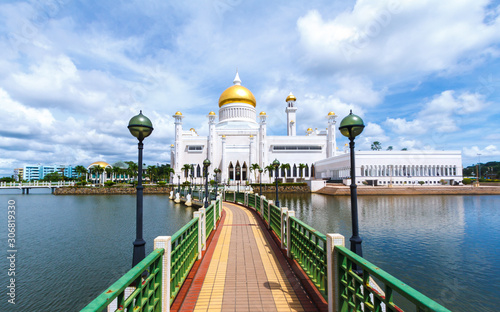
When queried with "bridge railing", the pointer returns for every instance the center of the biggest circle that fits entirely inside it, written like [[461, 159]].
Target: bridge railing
[[331, 267], [168, 267]]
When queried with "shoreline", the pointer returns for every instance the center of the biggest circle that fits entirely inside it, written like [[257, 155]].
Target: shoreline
[[410, 190]]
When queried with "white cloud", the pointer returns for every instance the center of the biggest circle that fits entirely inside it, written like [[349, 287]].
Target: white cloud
[[474, 151], [398, 37]]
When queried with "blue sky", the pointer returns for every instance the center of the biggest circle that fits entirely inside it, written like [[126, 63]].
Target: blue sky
[[422, 74]]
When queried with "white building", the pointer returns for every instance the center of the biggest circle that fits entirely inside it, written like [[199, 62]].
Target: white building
[[395, 167], [238, 138]]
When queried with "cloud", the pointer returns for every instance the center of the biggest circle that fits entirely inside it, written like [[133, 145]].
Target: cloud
[[397, 38], [475, 151]]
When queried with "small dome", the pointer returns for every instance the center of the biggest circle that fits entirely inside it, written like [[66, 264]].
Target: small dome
[[291, 97], [192, 129], [331, 113], [211, 114], [262, 113], [171, 145], [178, 113], [99, 163], [291, 121], [309, 129], [251, 135], [223, 135], [120, 164]]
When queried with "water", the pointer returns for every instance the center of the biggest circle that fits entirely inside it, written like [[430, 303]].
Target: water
[[70, 248]]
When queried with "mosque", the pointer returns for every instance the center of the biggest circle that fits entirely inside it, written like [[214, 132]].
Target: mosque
[[237, 142]]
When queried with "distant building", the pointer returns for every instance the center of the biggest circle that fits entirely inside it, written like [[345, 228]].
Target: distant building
[[38, 172], [18, 174]]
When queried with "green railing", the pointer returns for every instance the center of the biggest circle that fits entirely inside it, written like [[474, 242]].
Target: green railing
[[275, 220], [251, 200], [308, 247], [184, 254], [257, 204], [356, 292], [240, 198], [230, 196], [147, 294], [209, 219], [265, 207]]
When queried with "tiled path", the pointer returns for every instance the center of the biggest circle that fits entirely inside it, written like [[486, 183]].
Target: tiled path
[[244, 272]]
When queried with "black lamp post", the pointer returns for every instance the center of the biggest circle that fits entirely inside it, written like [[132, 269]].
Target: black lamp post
[[190, 184], [352, 126], [141, 127], [206, 164], [276, 165], [216, 170], [178, 184], [260, 180]]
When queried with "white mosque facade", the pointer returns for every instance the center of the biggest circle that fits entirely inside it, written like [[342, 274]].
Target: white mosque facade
[[237, 139]]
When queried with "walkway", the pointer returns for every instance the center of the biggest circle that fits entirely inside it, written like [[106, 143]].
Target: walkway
[[244, 270]]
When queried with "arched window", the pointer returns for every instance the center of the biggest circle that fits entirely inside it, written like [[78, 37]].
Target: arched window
[[231, 171], [198, 171], [294, 171], [312, 171], [238, 171], [306, 171], [244, 171]]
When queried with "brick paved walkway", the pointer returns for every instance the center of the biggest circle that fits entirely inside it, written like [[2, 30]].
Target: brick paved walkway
[[244, 271]]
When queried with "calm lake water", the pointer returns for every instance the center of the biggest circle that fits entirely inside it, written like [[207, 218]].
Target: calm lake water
[[70, 248]]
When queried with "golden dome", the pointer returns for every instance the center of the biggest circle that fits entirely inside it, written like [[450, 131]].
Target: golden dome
[[251, 135], [223, 135], [331, 113], [211, 114], [99, 163], [262, 113], [171, 145], [192, 129], [309, 129], [237, 94], [291, 97], [178, 113]]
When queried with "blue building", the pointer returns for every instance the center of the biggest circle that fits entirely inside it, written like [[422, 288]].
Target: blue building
[[38, 172]]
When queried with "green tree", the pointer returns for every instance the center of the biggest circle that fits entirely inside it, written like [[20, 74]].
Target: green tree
[[270, 169], [99, 171], [255, 168], [186, 169], [82, 172], [404, 149], [132, 169], [169, 171], [285, 168], [376, 146], [52, 177], [109, 171], [301, 168], [390, 148]]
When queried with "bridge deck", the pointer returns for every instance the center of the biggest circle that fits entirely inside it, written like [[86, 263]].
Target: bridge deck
[[244, 270]]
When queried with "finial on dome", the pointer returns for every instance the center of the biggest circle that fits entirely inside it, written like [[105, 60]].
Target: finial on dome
[[237, 80]]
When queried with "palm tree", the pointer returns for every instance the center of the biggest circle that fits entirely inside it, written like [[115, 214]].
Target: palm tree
[[99, 170], [376, 146], [255, 168], [152, 172], [269, 168], [82, 172], [285, 167], [186, 169], [109, 171], [390, 148], [117, 171], [301, 167], [132, 169], [169, 171]]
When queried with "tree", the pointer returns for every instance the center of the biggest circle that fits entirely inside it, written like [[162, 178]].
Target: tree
[[285, 167], [52, 177], [404, 149], [132, 169], [255, 168], [82, 172], [117, 171], [186, 169], [301, 168], [168, 172], [376, 146], [390, 148], [270, 169], [109, 171], [152, 172], [99, 171]]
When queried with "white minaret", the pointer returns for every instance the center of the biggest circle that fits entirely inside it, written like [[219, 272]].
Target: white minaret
[[331, 142], [262, 157], [224, 171], [290, 115], [178, 141], [211, 140]]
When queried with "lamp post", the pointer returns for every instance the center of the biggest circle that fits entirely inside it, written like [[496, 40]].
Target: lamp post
[[350, 127], [141, 127], [276, 165], [190, 184], [216, 170], [260, 180], [178, 184], [206, 164]]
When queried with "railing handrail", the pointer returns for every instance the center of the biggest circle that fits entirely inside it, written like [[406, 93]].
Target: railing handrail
[[403, 289], [176, 235], [309, 228], [104, 299]]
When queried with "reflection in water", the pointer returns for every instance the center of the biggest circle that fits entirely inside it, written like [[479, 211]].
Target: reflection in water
[[444, 246]]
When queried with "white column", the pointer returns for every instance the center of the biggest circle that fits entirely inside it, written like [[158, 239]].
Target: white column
[[165, 242], [332, 240]]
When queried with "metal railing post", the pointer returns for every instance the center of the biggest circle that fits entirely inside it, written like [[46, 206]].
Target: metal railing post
[[270, 202], [333, 240], [214, 203], [165, 242], [283, 215], [197, 214], [204, 228], [289, 213]]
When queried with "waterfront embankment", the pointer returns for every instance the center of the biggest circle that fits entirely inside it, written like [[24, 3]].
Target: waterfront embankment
[[337, 189]]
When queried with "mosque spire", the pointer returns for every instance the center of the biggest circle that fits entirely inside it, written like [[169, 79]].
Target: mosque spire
[[237, 80]]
